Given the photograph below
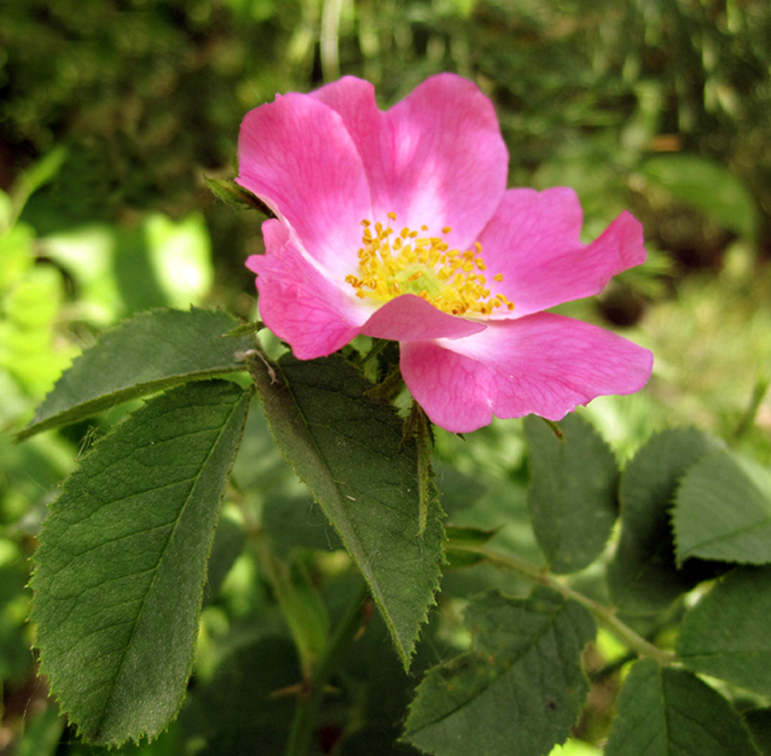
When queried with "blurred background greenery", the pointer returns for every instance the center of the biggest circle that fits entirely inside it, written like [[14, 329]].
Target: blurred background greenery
[[113, 111]]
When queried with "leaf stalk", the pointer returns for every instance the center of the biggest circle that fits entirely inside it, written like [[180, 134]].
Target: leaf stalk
[[603, 615]]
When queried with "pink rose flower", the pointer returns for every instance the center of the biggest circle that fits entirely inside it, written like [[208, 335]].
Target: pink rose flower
[[398, 225]]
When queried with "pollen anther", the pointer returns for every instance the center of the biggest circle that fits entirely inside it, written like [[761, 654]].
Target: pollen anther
[[449, 279]]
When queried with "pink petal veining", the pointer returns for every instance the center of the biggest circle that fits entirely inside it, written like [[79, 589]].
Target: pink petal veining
[[326, 161], [297, 155], [533, 241], [545, 364], [436, 158]]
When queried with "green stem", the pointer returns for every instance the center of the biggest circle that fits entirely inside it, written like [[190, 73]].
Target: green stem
[[309, 703], [748, 418], [602, 614]]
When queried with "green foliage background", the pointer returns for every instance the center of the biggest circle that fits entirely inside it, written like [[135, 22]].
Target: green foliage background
[[113, 111]]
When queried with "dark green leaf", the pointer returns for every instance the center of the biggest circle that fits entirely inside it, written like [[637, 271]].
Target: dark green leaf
[[237, 713], [727, 635], [122, 562], [518, 691], [723, 510], [148, 353], [572, 492], [759, 723], [670, 712], [297, 521], [643, 575], [350, 452]]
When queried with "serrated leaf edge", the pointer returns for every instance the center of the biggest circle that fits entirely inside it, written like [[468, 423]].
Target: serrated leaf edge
[[43, 669], [106, 401], [404, 652], [472, 652]]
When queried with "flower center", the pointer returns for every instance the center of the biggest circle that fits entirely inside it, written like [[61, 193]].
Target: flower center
[[450, 280]]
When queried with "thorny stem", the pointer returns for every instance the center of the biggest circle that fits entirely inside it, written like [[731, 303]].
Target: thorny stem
[[604, 615], [309, 702]]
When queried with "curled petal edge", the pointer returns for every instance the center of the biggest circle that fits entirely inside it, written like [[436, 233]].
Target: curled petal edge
[[543, 364]]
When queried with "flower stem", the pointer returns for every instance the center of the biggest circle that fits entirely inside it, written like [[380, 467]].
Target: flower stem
[[309, 702], [604, 615]]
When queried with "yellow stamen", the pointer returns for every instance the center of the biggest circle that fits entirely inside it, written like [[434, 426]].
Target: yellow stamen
[[448, 279]]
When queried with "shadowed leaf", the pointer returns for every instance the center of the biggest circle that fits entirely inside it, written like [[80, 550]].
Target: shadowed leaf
[[350, 452], [518, 691], [121, 568]]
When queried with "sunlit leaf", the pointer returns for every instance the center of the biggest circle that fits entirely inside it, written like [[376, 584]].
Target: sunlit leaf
[[181, 255]]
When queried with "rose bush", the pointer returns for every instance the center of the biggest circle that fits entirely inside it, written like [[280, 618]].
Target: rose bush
[[398, 225]]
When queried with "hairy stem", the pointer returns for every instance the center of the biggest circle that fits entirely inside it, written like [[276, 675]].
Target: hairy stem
[[602, 614]]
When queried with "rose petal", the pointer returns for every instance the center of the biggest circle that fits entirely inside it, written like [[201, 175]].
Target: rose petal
[[297, 156], [410, 318], [435, 159], [297, 302], [533, 241], [545, 364]]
